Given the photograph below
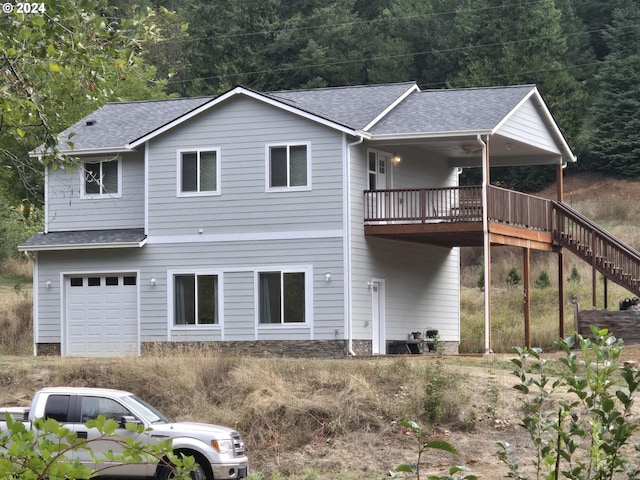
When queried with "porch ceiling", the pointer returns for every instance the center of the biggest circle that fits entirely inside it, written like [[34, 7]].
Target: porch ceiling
[[465, 151]]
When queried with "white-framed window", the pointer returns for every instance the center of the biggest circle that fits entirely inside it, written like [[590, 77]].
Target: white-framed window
[[102, 178], [196, 299], [198, 171], [283, 296], [288, 166]]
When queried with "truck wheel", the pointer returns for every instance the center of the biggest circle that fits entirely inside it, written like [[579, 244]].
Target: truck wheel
[[198, 474]]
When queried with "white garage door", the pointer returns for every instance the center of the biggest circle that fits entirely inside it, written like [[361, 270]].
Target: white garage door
[[102, 315]]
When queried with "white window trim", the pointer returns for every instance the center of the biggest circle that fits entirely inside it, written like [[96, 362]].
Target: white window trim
[[197, 150], [267, 168], [170, 300], [308, 296], [97, 196]]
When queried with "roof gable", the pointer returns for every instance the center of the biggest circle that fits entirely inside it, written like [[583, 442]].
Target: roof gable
[[437, 112]]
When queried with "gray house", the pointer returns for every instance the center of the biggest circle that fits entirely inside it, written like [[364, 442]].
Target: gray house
[[320, 222]]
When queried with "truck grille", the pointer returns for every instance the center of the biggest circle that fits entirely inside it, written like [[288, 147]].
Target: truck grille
[[238, 444]]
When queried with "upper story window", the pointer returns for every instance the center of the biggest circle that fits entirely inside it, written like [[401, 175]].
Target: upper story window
[[198, 172], [289, 167], [101, 179]]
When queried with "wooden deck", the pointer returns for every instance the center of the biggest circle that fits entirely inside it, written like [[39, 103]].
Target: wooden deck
[[453, 217]]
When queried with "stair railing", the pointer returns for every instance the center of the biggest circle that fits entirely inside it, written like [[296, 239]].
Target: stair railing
[[614, 259]]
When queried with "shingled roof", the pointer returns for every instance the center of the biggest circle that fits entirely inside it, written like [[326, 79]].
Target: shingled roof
[[431, 112], [373, 111], [115, 238], [355, 107], [117, 124]]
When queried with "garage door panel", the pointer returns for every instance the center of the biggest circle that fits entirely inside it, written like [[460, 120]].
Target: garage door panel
[[102, 318]]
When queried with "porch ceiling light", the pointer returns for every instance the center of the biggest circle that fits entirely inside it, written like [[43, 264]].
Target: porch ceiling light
[[396, 158]]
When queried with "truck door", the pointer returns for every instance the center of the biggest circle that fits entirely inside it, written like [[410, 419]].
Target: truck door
[[89, 408]]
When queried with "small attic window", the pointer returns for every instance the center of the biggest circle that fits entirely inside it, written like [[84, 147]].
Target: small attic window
[[90, 123]]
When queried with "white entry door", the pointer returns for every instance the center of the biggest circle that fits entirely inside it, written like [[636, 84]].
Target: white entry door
[[378, 166], [101, 315], [378, 341]]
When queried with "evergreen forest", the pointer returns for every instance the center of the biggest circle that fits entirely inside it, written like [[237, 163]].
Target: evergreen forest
[[61, 63]]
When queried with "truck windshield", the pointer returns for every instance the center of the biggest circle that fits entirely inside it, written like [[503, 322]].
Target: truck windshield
[[153, 415]]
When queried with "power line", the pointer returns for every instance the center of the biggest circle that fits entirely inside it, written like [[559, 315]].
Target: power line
[[343, 24], [388, 57]]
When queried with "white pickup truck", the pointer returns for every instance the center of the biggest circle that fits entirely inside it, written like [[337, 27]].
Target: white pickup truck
[[218, 451]]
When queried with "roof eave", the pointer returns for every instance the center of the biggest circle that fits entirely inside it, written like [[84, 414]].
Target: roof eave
[[567, 153], [85, 151], [426, 135], [80, 246]]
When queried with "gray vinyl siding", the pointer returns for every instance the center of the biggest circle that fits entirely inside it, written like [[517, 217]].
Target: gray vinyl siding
[[526, 125], [241, 128], [421, 282], [235, 262], [67, 211]]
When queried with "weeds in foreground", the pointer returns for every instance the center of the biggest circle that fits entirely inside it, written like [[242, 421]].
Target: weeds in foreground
[[578, 419], [421, 435], [577, 414]]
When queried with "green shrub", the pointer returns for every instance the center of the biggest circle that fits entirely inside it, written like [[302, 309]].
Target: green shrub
[[513, 277], [543, 280], [480, 281], [574, 277]]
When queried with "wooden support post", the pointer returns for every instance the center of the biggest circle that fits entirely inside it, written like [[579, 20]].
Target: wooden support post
[[606, 293], [561, 294], [594, 300], [527, 297], [594, 278]]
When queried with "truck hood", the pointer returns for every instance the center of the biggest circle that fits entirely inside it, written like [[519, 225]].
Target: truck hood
[[186, 429]]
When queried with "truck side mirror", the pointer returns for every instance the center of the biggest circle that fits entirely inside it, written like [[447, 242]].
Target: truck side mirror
[[128, 419]]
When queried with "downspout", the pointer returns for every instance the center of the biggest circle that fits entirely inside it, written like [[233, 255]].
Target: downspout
[[347, 246], [486, 244]]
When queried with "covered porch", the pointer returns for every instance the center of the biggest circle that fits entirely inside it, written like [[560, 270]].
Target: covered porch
[[466, 216]]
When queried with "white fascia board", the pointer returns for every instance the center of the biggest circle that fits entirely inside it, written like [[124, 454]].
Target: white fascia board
[[82, 246], [567, 153], [226, 96], [85, 152], [429, 135], [412, 89]]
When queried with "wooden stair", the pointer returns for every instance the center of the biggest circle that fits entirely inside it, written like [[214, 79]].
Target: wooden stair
[[616, 260]]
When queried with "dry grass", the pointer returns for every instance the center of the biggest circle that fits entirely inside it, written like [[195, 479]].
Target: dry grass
[[281, 406], [327, 419]]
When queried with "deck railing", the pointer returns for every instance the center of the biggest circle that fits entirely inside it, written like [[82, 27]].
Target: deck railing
[[614, 259], [519, 209], [456, 204]]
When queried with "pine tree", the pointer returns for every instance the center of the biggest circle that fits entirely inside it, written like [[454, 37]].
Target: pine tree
[[615, 144]]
